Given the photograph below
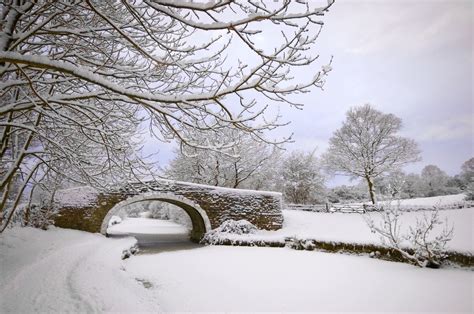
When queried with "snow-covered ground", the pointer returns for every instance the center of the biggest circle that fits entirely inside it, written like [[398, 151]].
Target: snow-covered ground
[[71, 271], [67, 271], [426, 201], [433, 201], [236, 279]]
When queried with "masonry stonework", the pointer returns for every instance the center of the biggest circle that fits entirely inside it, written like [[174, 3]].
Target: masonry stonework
[[263, 209]]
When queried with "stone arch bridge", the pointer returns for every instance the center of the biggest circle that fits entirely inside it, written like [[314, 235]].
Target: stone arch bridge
[[207, 206]]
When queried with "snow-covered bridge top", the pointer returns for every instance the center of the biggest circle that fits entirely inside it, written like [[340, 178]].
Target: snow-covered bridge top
[[195, 186], [208, 206]]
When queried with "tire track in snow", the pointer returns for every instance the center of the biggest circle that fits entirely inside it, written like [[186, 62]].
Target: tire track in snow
[[73, 292]]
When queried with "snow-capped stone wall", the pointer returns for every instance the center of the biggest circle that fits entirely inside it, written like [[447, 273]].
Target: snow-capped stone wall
[[261, 208]]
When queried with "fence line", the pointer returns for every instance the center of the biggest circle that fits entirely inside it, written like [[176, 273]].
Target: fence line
[[331, 208], [362, 208]]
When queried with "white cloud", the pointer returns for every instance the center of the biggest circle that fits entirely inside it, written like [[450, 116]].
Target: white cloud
[[413, 29], [448, 129], [309, 144]]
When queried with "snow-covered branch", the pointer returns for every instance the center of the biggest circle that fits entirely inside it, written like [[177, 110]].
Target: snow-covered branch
[[96, 72]]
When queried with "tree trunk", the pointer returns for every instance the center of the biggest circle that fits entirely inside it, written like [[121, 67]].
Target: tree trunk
[[236, 176], [371, 189]]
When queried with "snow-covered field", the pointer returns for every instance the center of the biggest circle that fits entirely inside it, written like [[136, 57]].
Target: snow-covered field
[[353, 228], [434, 200], [71, 271], [428, 201]]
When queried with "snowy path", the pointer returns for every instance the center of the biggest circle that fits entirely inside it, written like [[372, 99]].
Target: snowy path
[[81, 274], [25, 283]]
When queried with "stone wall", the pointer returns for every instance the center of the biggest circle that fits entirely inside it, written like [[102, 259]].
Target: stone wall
[[263, 209]]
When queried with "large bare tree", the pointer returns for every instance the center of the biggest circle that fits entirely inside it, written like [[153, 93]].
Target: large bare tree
[[367, 146], [78, 78]]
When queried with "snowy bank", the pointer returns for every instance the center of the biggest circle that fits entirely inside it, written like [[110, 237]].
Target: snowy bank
[[64, 271]]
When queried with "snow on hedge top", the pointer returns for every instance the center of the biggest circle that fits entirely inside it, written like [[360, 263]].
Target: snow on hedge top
[[241, 226], [77, 196]]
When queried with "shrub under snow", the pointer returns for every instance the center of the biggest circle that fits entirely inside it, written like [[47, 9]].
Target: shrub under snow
[[229, 227], [423, 244]]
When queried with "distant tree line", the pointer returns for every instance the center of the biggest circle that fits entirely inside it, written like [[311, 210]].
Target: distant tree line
[[432, 181], [366, 147], [249, 164]]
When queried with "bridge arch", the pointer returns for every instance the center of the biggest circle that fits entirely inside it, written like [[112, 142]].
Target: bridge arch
[[200, 220]]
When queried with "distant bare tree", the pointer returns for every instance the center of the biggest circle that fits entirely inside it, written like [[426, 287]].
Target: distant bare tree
[[367, 146], [392, 184], [433, 180], [467, 178], [413, 186], [78, 78], [238, 160], [467, 170], [302, 180]]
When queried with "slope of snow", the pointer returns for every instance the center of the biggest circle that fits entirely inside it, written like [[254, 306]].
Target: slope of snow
[[427, 201], [433, 201], [64, 271]]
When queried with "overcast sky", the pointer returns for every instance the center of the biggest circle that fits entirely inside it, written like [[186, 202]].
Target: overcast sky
[[410, 58]]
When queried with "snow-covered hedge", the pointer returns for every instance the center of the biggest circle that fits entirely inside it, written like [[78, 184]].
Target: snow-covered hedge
[[236, 227], [33, 215]]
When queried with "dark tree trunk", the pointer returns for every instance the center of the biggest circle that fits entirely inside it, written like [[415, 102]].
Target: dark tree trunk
[[371, 189]]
